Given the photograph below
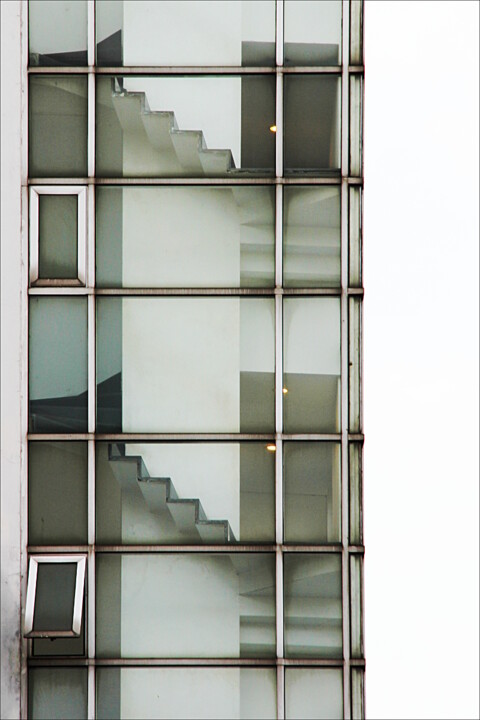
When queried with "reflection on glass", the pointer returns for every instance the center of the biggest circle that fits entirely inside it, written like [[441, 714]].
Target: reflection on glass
[[58, 364], [311, 364], [179, 32], [356, 609], [185, 364], [312, 124], [354, 364], [187, 693], [57, 493], [355, 473], [57, 126], [159, 493], [313, 693], [311, 236], [54, 596], [185, 236], [57, 693], [313, 32], [58, 237], [185, 605], [313, 605], [57, 32], [312, 492], [186, 126], [357, 691]]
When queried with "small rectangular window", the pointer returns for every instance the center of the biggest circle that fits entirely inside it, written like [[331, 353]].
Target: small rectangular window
[[55, 596]]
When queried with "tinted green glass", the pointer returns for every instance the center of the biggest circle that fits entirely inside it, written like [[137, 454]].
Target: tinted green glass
[[56, 693], [57, 32], [58, 237], [313, 694]]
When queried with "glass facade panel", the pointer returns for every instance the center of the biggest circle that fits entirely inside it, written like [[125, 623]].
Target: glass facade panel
[[356, 609], [57, 493], [312, 492], [185, 605], [191, 493], [179, 33], [354, 363], [185, 126], [57, 32], [355, 237], [185, 236], [189, 693], [185, 364], [57, 138], [313, 32], [311, 358], [57, 693], [313, 693], [58, 237], [313, 605], [356, 493], [311, 236], [312, 118], [358, 693], [58, 364]]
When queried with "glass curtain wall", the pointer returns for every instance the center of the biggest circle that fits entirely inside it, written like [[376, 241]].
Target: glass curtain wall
[[195, 318]]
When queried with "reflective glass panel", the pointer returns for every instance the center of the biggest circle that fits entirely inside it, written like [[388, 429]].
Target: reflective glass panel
[[183, 605], [57, 493], [312, 124], [185, 236], [58, 236], [311, 364], [188, 364], [313, 605], [57, 693], [313, 32], [313, 693], [311, 236], [190, 126], [188, 693], [57, 126], [312, 492], [58, 364], [179, 32], [54, 596], [57, 32], [159, 493]]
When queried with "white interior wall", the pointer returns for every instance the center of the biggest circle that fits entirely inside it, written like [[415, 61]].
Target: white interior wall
[[313, 22], [47, 16], [312, 336]]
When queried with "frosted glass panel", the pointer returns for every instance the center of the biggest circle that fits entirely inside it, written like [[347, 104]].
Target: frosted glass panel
[[313, 32], [185, 126], [193, 493], [192, 693], [58, 236], [313, 694], [185, 364], [57, 32], [185, 236], [311, 364], [179, 32], [57, 693], [186, 605]]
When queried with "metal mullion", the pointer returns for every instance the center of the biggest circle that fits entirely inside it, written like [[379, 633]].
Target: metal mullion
[[90, 33], [189, 662], [192, 437], [158, 70], [231, 181], [225, 548]]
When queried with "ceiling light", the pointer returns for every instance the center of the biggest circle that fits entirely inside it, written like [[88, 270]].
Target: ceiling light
[[271, 448]]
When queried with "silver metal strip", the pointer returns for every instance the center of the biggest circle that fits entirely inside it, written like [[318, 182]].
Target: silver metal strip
[[279, 125], [140, 549], [280, 691], [91, 33], [91, 364], [188, 662], [279, 31], [334, 179], [159, 70], [33, 235], [192, 437], [82, 235], [52, 288], [31, 594], [90, 240], [91, 126], [66, 287], [91, 693]]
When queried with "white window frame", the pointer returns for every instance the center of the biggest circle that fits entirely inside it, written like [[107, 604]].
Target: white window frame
[[35, 561], [81, 192]]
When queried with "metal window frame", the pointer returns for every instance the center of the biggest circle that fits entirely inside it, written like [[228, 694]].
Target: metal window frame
[[80, 191], [35, 561]]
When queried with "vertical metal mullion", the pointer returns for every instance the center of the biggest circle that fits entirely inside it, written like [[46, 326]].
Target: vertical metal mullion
[[91, 33], [91, 125], [344, 362]]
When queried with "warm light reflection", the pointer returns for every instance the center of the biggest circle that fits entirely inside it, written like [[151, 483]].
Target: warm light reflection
[[273, 128], [285, 391], [271, 448]]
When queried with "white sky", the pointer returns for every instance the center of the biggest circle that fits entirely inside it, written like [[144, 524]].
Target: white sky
[[421, 359]]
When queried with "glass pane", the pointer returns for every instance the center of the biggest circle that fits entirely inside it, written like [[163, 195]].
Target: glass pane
[[313, 605], [312, 124], [354, 364], [312, 492], [311, 364], [185, 126], [200, 33], [194, 693], [313, 32], [355, 237], [185, 364], [57, 126], [54, 596], [185, 236], [58, 236], [57, 693], [356, 32], [57, 493], [313, 693], [159, 493], [357, 683], [186, 605], [311, 236], [356, 605], [58, 364], [57, 32], [356, 494], [356, 124]]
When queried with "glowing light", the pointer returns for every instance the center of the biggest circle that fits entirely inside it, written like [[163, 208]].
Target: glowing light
[[285, 391], [271, 448], [273, 128]]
